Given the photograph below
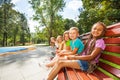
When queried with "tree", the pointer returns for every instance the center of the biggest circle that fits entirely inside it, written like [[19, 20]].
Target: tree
[[68, 23], [24, 29], [12, 25], [6, 7], [107, 11], [46, 12]]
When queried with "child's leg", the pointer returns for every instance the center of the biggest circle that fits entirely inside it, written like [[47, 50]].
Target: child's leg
[[58, 66], [53, 61]]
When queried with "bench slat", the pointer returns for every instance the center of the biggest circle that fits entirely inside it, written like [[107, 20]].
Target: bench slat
[[92, 76], [113, 32], [111, 58], [112, 40], [114, 49], [61, 75], [117, 25], [85, 37], [70, 71], [101, 75], [82, 75], [110, 69]]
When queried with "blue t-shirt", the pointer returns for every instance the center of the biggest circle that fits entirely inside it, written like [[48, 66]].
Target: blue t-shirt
[[77, 44]]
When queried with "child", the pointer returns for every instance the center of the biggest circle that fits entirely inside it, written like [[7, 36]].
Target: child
[[76, 45], [52, 42], [59, 42], [53, 45], [66, 40], [92, 50]]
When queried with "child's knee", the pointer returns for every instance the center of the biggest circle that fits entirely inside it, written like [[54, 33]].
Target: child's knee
[[60, 63]]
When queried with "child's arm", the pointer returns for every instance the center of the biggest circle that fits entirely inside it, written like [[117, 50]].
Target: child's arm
[[94, 53], [69, 52], [61, 46]]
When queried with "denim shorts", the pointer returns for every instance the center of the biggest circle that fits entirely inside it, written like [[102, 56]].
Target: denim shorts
[[83, 65]]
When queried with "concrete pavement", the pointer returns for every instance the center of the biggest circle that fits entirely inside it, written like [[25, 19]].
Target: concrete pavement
[[25, 66]]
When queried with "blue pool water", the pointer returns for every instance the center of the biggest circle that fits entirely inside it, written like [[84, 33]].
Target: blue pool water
[[11, 49]]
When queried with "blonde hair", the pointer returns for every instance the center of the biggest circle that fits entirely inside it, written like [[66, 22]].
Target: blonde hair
[[66, 32], [74, 28], [59, 36], [52, 38]]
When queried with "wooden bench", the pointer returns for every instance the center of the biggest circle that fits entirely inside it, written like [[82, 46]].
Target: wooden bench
[[109, 63]]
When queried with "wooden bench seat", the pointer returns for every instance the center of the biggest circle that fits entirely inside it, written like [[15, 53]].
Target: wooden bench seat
[[109, 63]]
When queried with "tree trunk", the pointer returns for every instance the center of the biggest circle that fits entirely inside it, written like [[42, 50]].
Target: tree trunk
[[14, 40], [51, 26], [3, 44], [4, 39]]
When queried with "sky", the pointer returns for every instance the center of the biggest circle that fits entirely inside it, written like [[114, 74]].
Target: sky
[[70, 11]]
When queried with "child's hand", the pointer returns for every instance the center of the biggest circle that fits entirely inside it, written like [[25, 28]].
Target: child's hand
[[65, 57], [60, 54], [63, 51], [57, 51]]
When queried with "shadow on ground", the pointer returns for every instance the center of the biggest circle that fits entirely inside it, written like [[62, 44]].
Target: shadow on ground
[[25, 65], [22, 57]]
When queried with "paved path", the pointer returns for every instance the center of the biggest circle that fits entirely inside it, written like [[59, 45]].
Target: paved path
[[25, 66]]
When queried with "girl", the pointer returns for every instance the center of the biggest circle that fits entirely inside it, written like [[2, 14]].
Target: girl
[[66, 42], [92, 50], [59, 42], [52, 41]]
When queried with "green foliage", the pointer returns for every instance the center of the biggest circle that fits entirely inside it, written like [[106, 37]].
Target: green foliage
[[12, 24], [107, 11], [46, 13], [69, 23]]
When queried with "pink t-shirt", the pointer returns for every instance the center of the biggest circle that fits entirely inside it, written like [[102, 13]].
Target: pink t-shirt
[[99, 44]]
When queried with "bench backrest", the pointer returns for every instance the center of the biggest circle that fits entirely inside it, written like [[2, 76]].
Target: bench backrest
[[110, 59]]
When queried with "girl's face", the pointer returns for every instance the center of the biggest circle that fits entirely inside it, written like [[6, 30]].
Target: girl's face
[[66, 37], [59, 39], [97, 30], [52, 40], [73, 34]]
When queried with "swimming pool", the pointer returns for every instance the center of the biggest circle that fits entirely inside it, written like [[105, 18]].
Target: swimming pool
[[11, 49]]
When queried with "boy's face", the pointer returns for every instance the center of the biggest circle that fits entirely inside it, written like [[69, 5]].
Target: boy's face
[[73, 34]]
